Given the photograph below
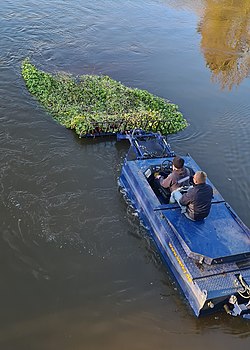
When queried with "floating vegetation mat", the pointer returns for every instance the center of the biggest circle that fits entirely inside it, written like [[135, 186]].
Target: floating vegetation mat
[[92, 104]]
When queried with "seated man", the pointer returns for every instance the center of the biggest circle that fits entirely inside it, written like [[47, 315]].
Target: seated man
[[197, 199], [179, 177]]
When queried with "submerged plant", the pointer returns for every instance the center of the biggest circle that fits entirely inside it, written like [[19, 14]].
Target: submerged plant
[[92, 104]]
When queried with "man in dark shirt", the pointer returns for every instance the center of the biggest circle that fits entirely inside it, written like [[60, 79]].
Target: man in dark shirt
[[198, 198]]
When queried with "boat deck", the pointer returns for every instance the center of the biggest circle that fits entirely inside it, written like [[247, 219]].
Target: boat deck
[[221, 237]]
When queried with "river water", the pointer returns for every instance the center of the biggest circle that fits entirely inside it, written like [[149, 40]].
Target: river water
[[77, 269]]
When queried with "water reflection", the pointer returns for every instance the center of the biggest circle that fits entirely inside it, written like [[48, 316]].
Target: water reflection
[[225, 37], [225, 43]]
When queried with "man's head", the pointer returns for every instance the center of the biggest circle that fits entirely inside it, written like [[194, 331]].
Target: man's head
[[178, 162], [200, 177]]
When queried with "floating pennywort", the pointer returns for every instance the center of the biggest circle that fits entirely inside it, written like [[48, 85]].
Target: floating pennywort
[[91, 104]]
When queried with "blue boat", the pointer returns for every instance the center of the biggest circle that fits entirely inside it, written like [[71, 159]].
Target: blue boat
[[210, 259]]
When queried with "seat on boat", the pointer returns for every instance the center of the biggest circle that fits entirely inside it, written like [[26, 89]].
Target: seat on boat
[[221, 237]]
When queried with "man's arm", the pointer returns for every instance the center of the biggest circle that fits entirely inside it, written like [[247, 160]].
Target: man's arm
[[187, 197], [166, 183]]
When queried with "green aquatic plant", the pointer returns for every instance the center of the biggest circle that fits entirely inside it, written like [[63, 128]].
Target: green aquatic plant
[[91, 104]]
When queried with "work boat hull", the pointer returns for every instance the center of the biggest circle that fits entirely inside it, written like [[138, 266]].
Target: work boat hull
[[209, 259]]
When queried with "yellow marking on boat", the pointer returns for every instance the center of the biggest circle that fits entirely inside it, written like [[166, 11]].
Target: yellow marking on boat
[[189, 278]]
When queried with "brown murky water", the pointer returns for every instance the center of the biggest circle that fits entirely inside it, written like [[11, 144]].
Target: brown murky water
[[77, 269]]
